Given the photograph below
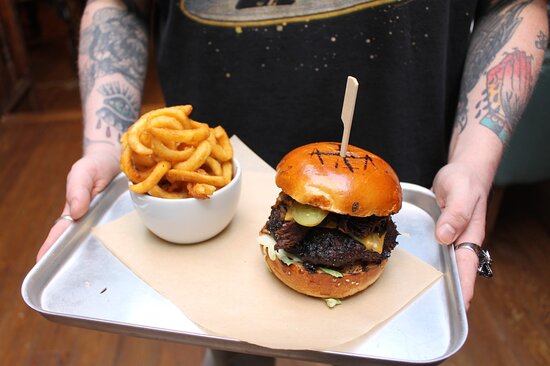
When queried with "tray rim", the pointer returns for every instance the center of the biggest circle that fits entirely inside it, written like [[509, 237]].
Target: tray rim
[[57, 253]]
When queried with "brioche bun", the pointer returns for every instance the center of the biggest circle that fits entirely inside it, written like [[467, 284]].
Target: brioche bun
[[320, 284], [361, 184], [360, 191]]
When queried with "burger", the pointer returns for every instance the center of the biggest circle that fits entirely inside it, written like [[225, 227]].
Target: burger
[[330, 232]]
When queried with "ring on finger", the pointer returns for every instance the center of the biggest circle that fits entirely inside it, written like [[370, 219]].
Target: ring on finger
[[484, 268], [64, 217]]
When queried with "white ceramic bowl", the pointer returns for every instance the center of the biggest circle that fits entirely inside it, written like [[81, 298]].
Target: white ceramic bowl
[[190, 220]]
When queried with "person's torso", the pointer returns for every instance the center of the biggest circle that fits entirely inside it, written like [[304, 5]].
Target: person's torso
[[274, 72]]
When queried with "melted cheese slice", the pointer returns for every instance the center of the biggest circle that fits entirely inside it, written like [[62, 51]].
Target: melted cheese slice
[[373, 242]]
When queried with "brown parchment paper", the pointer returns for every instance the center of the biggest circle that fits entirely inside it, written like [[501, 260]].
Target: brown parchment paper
[[224, 286]]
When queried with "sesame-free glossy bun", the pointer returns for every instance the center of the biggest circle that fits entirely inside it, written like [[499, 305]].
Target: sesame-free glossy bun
[[359, 184], [320, 284]]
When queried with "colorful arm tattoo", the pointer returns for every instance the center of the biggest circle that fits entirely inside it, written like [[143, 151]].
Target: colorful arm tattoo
[[508, 88], [489, 39]]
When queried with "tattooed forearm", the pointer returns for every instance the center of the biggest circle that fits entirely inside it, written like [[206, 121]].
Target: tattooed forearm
[[490, 37], [114, 44], [508, 87]]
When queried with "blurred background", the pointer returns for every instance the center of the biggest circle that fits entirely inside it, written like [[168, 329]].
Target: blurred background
[[40, 137]]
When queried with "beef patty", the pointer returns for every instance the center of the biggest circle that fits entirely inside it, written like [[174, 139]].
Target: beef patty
[[331, 243]]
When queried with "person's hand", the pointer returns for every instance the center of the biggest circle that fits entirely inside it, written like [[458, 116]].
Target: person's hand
[[461, 191], [88, 176]]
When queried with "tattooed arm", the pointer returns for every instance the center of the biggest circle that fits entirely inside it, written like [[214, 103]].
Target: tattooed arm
[[112, 66], [501, 68]]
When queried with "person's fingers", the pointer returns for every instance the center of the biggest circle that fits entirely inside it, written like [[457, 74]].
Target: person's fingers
[[78, 196], [55, 232], [462, 219], [53, 235], [467, 264], [468, 222], [457, 208], [88, 176], [467, 260], [79, 191], [474, 232]]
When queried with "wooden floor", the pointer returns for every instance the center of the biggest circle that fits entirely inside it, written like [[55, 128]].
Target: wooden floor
[[509, 318]]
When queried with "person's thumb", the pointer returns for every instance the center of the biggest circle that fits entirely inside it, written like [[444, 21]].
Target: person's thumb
[[457, 209], [80, 184]]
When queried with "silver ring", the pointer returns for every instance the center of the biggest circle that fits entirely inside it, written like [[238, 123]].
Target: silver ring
[[64, 217], [484, 268]]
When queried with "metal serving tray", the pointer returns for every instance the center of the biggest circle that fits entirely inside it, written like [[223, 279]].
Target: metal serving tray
[[79, 282]]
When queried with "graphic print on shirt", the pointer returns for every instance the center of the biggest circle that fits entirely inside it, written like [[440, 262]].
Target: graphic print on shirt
[[277, 30], [266, 12]]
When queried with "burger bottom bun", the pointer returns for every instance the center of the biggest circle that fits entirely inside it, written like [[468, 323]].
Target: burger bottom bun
[[320, 284]]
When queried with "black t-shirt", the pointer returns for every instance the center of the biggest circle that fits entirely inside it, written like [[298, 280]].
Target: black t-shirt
[[275, 75]]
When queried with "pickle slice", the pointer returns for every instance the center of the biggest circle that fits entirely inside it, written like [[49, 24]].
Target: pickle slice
[[307, 215]]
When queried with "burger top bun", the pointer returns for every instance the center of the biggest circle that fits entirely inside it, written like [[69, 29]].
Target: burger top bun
[[360, 184]]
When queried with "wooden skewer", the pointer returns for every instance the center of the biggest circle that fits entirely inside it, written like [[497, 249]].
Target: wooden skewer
[[347, 112]]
